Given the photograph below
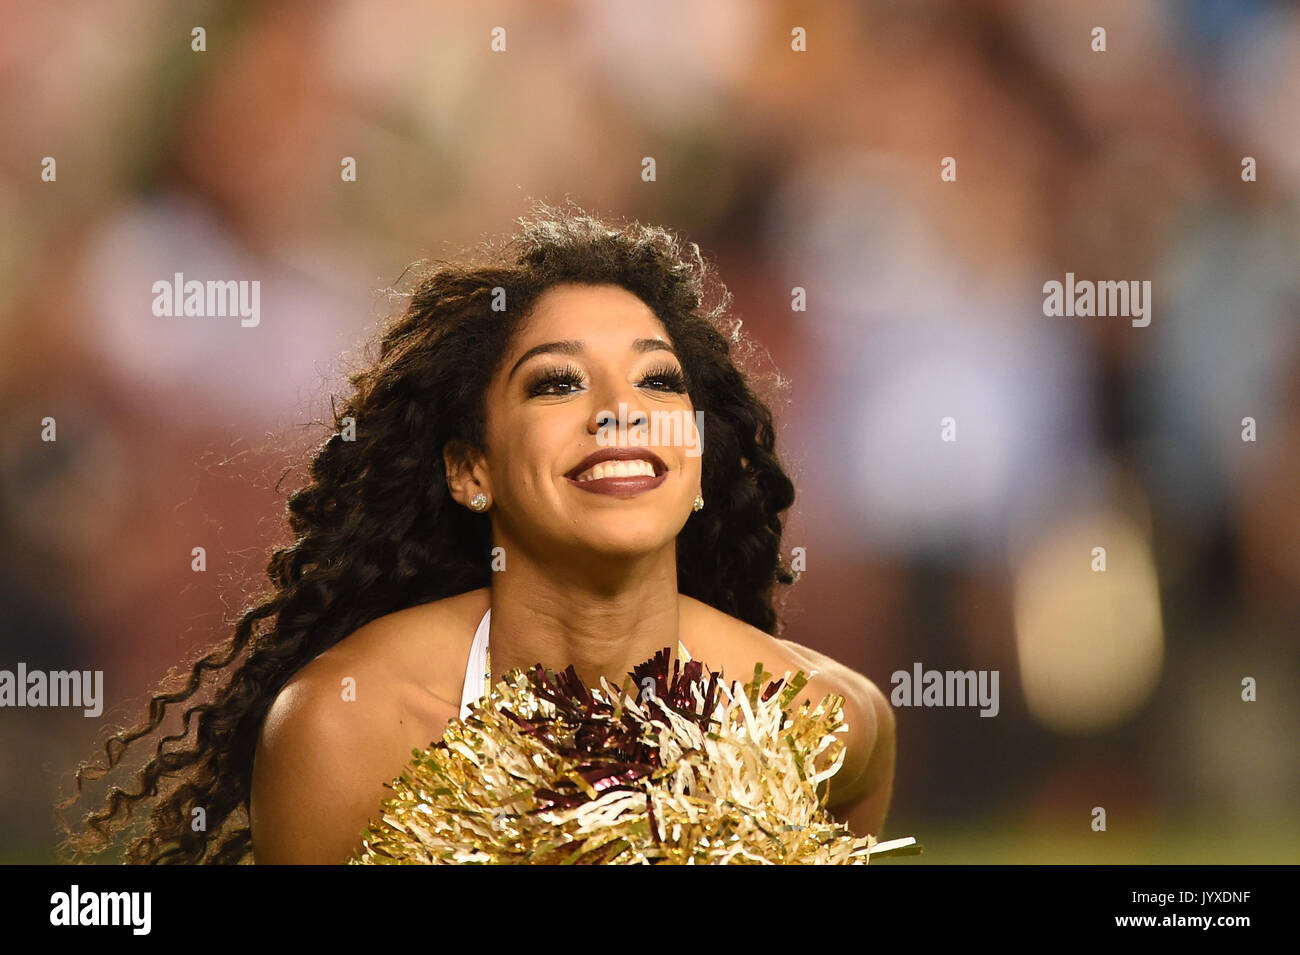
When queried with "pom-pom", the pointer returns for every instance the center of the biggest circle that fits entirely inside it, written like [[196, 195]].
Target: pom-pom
[[682, 771]]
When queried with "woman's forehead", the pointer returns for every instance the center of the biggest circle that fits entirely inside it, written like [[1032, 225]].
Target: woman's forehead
[[603, 317]]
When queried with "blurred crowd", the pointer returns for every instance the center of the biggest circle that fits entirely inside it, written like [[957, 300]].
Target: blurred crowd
[[958, 455]]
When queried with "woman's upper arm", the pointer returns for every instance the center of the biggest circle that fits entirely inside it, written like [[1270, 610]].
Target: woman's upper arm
[[876, 784], [863, 789], [318, 776]]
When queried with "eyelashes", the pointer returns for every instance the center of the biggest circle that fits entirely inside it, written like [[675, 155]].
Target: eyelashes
[[672, 378], [552, 378], [668, 379]]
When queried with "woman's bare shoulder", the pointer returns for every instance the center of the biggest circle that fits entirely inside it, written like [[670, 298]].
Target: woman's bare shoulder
[[733, 637], [346, 724], [421, 641], [396, 666], [734, 647], [730, 644]]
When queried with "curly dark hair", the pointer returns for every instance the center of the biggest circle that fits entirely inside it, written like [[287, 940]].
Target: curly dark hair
[[376, 529]]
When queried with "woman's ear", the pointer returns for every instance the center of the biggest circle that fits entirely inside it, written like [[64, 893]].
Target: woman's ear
[[466, 475]]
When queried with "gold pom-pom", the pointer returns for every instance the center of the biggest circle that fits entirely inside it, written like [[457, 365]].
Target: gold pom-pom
[[680, 771]]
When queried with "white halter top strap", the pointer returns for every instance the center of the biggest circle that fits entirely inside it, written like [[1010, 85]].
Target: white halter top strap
[[475, 685], [474, 682]]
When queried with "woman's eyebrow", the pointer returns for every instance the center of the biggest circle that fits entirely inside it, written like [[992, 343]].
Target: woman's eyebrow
[[570, 347], [653, 344], [566, 347]]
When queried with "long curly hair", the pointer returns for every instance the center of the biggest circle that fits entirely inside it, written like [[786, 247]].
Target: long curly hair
[[375, 530]]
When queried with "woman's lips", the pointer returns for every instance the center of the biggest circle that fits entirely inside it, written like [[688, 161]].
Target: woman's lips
[[628, 486]]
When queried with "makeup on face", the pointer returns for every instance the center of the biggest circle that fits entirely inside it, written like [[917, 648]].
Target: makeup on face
[[617, 471]]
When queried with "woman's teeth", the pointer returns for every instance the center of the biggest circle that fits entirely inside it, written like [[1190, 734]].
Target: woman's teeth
[[617, 469]]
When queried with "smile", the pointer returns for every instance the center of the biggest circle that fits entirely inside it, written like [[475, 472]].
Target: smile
[[626, 485], [620, 472], [607, 469]]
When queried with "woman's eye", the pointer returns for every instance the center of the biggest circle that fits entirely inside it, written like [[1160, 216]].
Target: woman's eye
[[557, 381], [665, 379], [567, 381]]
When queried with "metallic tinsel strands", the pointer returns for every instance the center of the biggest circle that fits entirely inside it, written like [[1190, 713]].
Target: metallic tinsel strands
[[680, 771]]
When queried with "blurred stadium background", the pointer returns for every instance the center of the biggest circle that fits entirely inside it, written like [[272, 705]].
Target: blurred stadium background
[[817, 169]]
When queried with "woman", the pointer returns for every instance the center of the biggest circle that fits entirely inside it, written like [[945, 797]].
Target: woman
[[490, 482]]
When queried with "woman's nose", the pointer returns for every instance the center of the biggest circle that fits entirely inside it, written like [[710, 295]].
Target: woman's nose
[[617, 406], [611, 418]]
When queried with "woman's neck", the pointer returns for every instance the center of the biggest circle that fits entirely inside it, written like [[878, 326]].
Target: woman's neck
[[603, 624]]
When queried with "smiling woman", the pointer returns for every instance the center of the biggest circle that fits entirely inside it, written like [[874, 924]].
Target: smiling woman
[[484, 504]]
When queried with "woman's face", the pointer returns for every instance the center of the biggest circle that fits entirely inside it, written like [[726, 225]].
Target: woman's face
[[555, 402]]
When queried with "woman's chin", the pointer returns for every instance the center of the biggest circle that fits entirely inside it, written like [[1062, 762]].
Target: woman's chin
[[624, 546]]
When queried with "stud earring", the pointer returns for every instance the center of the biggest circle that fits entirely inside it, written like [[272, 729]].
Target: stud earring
[[478, 502], [699, 503]]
